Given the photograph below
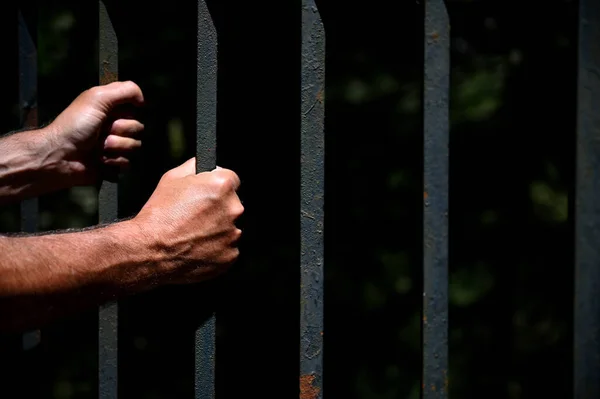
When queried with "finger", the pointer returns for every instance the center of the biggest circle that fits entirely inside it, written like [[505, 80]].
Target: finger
[[119, 162], [123, 112], [188, 168], [126, 127], [237, 236], [228, 174], [121, 144], [117, 93]]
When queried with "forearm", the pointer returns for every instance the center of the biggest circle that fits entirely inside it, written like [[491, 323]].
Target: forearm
[[30, 165], [48, 276]]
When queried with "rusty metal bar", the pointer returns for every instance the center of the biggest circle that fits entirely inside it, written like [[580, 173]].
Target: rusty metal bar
[[108, 212], [587, 207], [435, 197], [29, 120], [206, 153], [312, 184]]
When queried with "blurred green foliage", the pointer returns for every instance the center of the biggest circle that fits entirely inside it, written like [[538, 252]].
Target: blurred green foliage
[[512, 174]]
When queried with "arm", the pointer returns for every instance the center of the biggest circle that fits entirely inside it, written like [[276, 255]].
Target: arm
[[92, 134], [47, 276], [185, 233], [30, 165]]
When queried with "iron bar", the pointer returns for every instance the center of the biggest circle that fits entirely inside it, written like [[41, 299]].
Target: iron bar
[[587, 207], [435, 196], [206, 146], [108, 212], [312, 186]]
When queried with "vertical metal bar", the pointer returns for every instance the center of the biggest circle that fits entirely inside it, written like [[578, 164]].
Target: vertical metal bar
[[435, 213], [587, 203], [108, 212], [29, 120], [206, 153], [312, 187]]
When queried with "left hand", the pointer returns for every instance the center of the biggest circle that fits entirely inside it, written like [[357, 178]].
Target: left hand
[[92, 137]]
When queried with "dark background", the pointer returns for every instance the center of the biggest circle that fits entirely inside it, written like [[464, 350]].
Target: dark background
[[511, 220]]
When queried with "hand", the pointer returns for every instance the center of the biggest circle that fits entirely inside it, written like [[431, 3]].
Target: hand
[[93, 132], [189, 221]]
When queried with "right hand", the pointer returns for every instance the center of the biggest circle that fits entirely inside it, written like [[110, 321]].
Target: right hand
[[190, 223]]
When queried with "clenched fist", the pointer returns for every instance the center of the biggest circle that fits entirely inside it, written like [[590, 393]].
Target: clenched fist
[[189, 222], [94, 130]]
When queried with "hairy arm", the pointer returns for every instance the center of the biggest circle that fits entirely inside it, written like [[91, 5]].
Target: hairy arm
[[184, 234], [47, 276], [30, 165]]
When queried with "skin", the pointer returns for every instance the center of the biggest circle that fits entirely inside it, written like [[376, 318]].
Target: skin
[[185, 233]]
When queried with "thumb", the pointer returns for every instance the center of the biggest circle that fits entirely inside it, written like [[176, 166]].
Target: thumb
[[117, 93], [187, 168]]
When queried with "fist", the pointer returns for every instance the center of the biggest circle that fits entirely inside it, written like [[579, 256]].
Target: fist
[[189, 221], [97, 133]]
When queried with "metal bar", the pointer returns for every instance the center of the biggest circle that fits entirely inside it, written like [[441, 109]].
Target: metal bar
[[587, 203], [29, 120], [312, 183], [435, 196], [206, 153], [108, 212]]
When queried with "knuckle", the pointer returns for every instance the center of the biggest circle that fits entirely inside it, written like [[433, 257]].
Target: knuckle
[[233, 255], [234, 176], [234, 234], [237, 234], [167, 175], [96, 93], [130, 85], [237, 209], [229, 256], [222, 184]]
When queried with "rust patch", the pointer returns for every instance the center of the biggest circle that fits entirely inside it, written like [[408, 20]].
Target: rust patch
[[307, 389], [320, 96], [107, 75], [425, 195], [435, 35]]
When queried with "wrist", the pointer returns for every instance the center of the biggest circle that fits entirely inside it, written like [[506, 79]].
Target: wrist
[[30, 163], [59, 155], [141, 260], [43, 155]]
